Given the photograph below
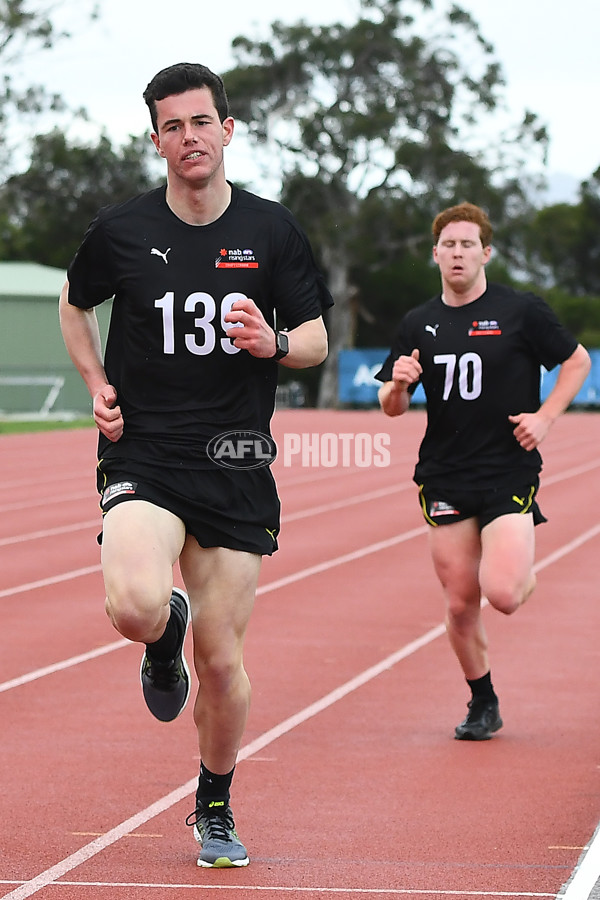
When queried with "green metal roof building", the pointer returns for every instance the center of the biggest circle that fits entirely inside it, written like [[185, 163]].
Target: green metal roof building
[[37, 377]]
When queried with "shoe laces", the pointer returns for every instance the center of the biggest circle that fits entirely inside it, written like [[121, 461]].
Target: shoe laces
[[164, 676], [218, 826]]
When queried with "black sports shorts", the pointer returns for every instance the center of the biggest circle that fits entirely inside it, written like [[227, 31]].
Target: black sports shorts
[[443, 506], [234, 508]]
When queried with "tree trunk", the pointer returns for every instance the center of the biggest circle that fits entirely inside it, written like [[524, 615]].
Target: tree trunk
[[340, 325]]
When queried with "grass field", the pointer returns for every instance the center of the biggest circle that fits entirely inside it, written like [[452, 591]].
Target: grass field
[[8, 426]]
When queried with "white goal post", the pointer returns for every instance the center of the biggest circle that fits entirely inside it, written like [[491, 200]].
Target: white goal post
[[54, 383]]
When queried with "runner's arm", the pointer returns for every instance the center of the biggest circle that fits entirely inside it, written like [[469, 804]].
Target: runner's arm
[[394, 396], [531, 428], [307, 342], [82, 339]]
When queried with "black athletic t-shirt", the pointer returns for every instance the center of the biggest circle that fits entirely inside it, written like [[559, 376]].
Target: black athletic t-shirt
[[179, 379], [481, 363]]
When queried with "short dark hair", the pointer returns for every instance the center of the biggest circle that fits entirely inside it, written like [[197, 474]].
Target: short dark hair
[[464, 212], [184, 77]]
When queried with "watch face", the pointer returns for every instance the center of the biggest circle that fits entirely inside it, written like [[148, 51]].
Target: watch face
[[283, 344]]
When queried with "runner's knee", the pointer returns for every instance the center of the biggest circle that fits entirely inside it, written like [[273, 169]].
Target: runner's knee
[[220, 674], [462, 614], [138, 612], [508, 598]]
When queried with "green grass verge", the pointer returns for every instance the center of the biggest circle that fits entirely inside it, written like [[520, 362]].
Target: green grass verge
[[10, 426]]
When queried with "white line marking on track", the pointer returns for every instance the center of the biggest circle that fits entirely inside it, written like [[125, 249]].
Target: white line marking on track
[[306, 475], [263, 589], [50, 876], [340, 560], [568, 473], [347, 501], [46, 582], [567, 548], [290, 517], [368, 892], [64, 664], [43, 501], [586, 873], [52, 476], [51, 532]]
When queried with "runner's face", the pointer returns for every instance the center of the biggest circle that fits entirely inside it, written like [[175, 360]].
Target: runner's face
[[190, 136], [460, 255]]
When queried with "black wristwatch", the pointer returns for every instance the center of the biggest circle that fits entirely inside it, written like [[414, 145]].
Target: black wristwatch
[[282, 345]]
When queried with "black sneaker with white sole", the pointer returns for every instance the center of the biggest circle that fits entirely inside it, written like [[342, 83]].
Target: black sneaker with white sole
[[166, 685], [483, 719]]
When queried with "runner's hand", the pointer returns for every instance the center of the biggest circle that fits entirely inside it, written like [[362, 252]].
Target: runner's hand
[[255, 335], [107, 415], [407, 370], [530, 429]]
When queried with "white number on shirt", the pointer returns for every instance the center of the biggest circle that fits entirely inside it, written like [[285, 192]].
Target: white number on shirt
[[202, 341], [469, 374], [202, 324]]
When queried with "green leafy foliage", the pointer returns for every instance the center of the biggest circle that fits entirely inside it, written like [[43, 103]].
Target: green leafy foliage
[[27, 28], [376, 126], [45, 211]]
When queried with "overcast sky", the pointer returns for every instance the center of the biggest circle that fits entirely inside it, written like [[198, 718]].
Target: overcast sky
[[548, 53]]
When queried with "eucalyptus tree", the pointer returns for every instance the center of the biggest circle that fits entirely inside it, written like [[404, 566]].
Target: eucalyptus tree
[[27, 28], [562, 242], [372, 127], [45, 210]]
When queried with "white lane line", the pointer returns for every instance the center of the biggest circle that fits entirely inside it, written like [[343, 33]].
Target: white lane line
[[341, 560], [567, 548], [141, 818], [348, 501], [43, 501], [289, 517], [363, 892], [587, 873], [51, 532], [334, 505], [568, 473], [263, 589], [46, 582], [267, 588], [88, 570], [64, 664], [54, 477], [51, 875]]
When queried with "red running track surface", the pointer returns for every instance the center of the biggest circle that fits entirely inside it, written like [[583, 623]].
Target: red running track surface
[[349, 782]]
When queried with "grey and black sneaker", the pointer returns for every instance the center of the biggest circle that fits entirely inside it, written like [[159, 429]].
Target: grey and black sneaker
[[483, 719], [214, 829], [166, 685]]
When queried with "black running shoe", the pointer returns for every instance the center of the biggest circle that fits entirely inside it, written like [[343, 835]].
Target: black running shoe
[[166, 686], [482, 721], [214, 829]]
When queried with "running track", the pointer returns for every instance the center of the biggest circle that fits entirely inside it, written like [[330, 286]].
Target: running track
[[349, 782]]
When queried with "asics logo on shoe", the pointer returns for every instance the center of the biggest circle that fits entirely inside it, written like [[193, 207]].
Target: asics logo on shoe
[[214, 803], [155, 252], [519, 500]]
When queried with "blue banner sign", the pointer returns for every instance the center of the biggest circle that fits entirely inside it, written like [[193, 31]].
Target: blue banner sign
[[357, 383]]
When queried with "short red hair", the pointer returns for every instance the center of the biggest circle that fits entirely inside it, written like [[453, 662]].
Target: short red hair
[[463, 212]]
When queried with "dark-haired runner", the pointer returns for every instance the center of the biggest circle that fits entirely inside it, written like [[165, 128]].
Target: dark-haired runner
[[205, 277]]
